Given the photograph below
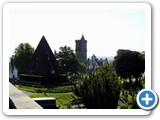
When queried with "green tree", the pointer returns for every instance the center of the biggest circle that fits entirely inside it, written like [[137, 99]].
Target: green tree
[[68, 60], [22, 56], [111, 65], [129, 64], [99, 90]]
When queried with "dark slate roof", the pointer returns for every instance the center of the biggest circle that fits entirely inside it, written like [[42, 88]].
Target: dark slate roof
[[43, 61]]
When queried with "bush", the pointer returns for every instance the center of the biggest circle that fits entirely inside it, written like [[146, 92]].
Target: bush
[[99, 90], [131, 102], [39, 91]]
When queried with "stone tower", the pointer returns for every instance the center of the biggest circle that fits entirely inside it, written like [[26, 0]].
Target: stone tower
[[81, 49]]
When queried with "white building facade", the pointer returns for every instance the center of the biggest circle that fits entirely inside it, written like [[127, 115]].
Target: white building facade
[[13, 72]]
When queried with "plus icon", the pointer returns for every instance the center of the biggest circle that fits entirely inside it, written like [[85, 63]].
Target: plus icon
[[147, 99]]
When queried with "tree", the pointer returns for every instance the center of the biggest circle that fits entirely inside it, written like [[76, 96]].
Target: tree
[[68, 60], [22, 56], [111, 65], [100, 89], [129, 63]]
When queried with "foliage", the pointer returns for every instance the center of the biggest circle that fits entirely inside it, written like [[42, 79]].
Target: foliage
[[129, 63], [22, 56], [68, 61], [100, 89], [62, 99], [129, 94], [111, 65], [131, 102]]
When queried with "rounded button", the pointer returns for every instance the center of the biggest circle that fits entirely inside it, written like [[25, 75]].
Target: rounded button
[[147, 99]]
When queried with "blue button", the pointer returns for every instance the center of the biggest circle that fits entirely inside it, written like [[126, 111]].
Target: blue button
[[147, 99]]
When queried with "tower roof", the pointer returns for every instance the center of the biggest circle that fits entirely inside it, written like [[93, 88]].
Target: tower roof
[[82, 38]]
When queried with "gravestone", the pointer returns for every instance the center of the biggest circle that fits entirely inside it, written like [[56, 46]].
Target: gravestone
[[43, 67]]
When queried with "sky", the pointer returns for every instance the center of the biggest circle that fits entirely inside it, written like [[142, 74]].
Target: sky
[[106, 30]]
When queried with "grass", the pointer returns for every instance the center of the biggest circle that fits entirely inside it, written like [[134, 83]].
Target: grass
[[63, 100], [63, 94], [61, 89], [26, 88]]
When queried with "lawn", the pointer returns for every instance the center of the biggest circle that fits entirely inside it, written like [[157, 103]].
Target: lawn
[[63, 100], [26, 88], [60, 89], [63, 94]]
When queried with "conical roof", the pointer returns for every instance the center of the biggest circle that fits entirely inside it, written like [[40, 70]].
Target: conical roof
[[43, 61], [82, 38]]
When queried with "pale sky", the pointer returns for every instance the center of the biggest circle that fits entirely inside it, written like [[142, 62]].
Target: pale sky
[[106, 30]]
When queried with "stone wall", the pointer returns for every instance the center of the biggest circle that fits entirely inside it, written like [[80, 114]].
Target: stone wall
[[18, 100]]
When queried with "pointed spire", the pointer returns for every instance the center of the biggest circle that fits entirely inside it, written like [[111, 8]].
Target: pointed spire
[[43, 60], [43, 38], [43, 42], [82, 38]]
